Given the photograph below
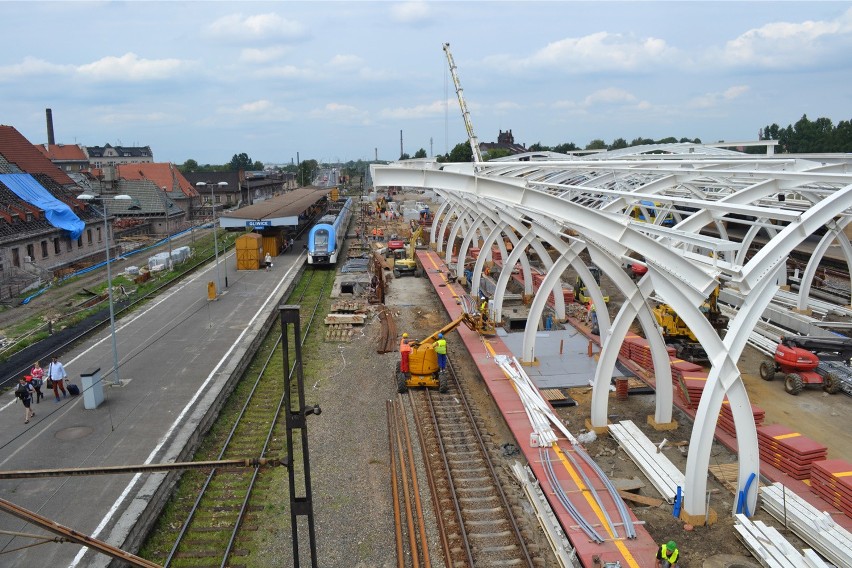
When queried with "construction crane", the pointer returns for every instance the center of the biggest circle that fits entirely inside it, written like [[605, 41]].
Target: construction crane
[[468, 124]]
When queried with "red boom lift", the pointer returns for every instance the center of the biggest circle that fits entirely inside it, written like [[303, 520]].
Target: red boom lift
[[798, 358]]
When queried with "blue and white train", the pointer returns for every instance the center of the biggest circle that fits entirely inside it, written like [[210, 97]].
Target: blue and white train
[[326, 237]]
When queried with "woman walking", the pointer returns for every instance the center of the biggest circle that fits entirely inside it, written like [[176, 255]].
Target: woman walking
[[37, 374], [25, 393]]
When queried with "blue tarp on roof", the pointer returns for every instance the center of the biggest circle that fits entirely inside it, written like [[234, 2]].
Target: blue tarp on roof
[[58, 214]]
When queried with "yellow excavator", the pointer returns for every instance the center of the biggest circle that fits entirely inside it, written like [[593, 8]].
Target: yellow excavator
[[677, 333], [405, 262], [423, 361]]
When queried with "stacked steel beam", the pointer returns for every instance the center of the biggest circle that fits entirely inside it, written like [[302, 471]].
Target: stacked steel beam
[[726, 418], [832, 480], [789, 451]]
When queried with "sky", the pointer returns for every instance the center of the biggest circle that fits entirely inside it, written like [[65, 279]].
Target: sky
[[340, 81]]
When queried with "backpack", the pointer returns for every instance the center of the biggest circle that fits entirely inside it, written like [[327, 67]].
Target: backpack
[[22, 392]]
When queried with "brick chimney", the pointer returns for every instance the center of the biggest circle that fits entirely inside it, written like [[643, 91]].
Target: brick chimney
[[50, 139]]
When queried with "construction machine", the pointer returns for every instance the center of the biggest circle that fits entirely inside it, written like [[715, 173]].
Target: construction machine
[[581, 293], [798, 358], [423, 361], [678, 334], [405, 262]]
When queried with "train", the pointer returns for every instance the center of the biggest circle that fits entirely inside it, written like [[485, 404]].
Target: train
[[325, 239]]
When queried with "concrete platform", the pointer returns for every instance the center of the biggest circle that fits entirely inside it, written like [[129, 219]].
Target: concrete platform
[[636, 553], [178, 357]]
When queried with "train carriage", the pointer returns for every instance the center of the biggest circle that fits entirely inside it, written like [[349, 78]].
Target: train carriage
[[325, 239]]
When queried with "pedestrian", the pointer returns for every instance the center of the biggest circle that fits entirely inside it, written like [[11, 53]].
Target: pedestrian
[[667, 555], [24, 392], [291, 243], [37, 374], [404, 352], [268, 261], [56, 375], [441, 351]]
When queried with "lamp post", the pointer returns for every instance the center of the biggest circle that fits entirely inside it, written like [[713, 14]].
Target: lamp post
[[168, 226], [221, 184], [88, 197]]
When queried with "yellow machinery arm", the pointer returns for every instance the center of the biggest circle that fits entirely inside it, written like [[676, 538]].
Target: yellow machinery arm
[[470, 320]]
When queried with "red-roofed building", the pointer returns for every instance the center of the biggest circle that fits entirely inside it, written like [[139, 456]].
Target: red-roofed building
[[32, 250], [67, 157]]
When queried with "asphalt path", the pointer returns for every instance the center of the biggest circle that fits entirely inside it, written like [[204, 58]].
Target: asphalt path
[[175, 356]]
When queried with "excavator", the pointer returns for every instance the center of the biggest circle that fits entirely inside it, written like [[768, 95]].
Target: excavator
[[580, 292], [404, 261], [677, 333], [423, 361]]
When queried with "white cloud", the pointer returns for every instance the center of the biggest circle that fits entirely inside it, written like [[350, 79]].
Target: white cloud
[[290, 72], [31, 66], [784, 44], [712, 100], [601, 51], [130, 67], [411, 12], [255, 111], [505, 107], [263, 55], [342, 113], [261, 27], [610, 95], [436, 108], [340, 61]]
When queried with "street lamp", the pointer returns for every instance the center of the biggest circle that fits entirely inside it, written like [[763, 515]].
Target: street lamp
[[168, 226], [101, 198], [221, 184]]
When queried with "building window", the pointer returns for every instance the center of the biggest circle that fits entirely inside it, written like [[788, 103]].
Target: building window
[[99, 234], [44, 249], [80, 242], [30, 252], [57, 248], [69, 244], [16, 258], [89, 236]]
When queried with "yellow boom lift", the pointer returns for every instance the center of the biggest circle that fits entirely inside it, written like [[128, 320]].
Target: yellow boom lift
[[423, 361], [405, 262]]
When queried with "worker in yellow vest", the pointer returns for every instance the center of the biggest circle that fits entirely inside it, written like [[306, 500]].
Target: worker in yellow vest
[[441, 351], [667, 555]]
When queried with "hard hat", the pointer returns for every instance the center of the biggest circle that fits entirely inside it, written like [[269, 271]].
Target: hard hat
[[440, 336], [671, 545], [404, 335]]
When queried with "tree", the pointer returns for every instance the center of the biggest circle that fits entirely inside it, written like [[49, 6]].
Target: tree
[[618, 144], [495, 153], [258, 166], [538, 147], [306, 172], [188, 166], [240, 162], [565, 148], [461, 153], [405, 156], [596, 144], [421, 153]]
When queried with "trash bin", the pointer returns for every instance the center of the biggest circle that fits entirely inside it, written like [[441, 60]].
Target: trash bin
[[93, 388], [211, 290]]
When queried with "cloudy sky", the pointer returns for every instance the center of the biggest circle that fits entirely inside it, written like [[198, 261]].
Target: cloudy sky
[[340, 80]]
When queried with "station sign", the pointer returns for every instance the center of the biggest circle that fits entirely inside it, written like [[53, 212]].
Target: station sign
[[258, 224]]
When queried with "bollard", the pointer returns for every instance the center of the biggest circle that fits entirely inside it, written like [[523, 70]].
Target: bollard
[[561, 345], [211, 290], [590, 348]]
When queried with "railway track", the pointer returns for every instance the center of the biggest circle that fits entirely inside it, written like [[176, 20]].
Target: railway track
[[475, 519], [216, 516]]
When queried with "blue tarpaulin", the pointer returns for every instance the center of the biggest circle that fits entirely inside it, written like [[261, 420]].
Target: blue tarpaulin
[[58, 214]]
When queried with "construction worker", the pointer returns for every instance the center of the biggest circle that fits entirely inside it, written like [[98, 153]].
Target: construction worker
[[483, 307], [667, 555], [441, 351], [404, 352]]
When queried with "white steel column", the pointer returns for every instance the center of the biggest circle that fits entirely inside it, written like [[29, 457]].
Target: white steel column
[[834, 233]]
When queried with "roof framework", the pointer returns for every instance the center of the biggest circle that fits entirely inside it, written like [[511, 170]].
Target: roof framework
[[693, 214]]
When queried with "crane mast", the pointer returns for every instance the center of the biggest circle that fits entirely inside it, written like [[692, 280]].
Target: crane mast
[[468, 124]]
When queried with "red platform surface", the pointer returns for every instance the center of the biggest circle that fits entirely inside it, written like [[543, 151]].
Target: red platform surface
[[635, 553]]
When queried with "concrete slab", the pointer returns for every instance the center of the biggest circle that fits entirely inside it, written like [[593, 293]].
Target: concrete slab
[[562, 355], [177, 358]]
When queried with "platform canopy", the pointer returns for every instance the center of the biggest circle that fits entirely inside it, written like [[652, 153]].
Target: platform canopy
[[279, 211]]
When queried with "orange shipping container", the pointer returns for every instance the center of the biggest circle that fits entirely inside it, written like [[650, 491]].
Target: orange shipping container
[[273, 244], [249, 249]]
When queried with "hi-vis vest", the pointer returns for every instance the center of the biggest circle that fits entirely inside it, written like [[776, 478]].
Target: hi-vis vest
[[441, 347], [673, 558]]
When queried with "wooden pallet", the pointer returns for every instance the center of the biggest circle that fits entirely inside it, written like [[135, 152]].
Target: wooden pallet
[[727, 474]]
